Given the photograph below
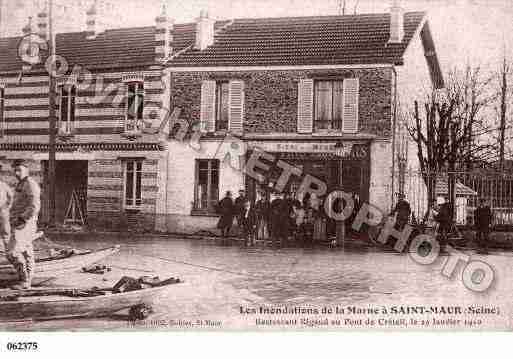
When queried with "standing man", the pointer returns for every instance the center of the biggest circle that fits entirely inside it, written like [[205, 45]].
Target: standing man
[[226, 210], [5, 206], [403, 211], [239, 210], [483, 220], [445, 221], [23, 217], [279, 220]]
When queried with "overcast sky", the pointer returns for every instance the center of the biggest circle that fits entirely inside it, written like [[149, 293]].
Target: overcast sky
[[475, 31]]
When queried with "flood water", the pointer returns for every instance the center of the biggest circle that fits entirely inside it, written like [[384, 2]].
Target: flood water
[[221, 281]]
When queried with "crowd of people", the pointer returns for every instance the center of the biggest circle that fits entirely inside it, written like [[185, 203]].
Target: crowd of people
[[285, 217], [278, 217]]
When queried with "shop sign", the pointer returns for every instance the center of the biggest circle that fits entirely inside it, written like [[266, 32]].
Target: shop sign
[[348, 150]]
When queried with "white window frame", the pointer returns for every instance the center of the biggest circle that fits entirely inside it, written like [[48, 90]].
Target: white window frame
[[135, 173], [211, 202], [69, 127], [139, 91]]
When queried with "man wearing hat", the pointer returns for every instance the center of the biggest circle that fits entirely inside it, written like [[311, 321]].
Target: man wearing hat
[[5, 205], [23, 217]]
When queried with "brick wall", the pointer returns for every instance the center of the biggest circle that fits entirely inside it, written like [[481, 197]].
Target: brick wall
[[271, 97], [105, 197]]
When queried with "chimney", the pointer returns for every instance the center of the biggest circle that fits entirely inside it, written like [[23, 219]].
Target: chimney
[[27, 29], [91, 22], [204, 31], [396, 22], [42, 24], [163, 36]]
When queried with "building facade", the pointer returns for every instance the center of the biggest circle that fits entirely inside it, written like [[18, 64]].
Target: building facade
[[314, 99], [110, 87], [318, 95]]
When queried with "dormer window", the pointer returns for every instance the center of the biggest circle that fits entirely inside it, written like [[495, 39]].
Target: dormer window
[[135, 106], [67, 96]]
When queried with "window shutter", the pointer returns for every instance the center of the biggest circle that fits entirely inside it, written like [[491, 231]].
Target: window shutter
[[236, 103], [305, 106], [208, 106], [350, 110]]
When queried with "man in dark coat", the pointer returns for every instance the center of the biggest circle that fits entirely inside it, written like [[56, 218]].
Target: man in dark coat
[[445, 221], [483, 220], [226, 210], [403, 211], [279, 219], [239, 208]]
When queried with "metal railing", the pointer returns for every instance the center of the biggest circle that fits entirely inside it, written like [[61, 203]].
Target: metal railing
[[470, 187]]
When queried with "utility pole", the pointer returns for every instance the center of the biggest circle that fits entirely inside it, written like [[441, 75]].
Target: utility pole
[[341, 7], [51, 118]]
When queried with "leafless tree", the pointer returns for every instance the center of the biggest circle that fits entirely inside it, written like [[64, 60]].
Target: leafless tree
[[504, 97], [451, 129]]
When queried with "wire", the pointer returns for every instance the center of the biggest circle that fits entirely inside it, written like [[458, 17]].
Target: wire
[[199, 266]]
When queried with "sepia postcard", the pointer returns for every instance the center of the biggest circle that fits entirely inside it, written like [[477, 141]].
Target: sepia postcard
[[255, 165]]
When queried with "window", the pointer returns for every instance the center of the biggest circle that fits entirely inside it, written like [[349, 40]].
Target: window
[[135, 106], [222, 105], [2, 105], [206, 189], [133, 177], [328, 105], [67, 95]]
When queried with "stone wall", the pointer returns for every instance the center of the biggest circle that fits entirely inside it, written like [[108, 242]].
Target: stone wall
[[271, 97]]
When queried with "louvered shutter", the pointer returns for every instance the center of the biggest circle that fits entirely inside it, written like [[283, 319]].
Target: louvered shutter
[[236, 109], [208, 106], [350, 110], [305, 106]]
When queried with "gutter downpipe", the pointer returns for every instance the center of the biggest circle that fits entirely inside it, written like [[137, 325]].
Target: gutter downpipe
[[394, 128]]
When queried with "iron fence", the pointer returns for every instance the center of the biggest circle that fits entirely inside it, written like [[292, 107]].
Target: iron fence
[[470, 187]]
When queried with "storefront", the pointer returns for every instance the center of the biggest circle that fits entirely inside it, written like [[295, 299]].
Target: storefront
[[340, 165]]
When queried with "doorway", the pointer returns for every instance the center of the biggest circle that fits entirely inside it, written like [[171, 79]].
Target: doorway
[[70, 177]]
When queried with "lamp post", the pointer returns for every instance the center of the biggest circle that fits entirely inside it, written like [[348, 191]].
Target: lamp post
[[340, 151]]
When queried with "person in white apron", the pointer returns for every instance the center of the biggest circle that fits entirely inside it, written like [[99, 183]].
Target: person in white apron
[[23, 219]]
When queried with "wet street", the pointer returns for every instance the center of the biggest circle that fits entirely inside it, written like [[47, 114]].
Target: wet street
[[220, 282]]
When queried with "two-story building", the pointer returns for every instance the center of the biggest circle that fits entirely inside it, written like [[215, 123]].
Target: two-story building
[[319, 94], [110, 85]]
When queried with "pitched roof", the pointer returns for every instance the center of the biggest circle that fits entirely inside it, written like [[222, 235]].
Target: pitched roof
[[461, 190], [116, 47], [313, 40]]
